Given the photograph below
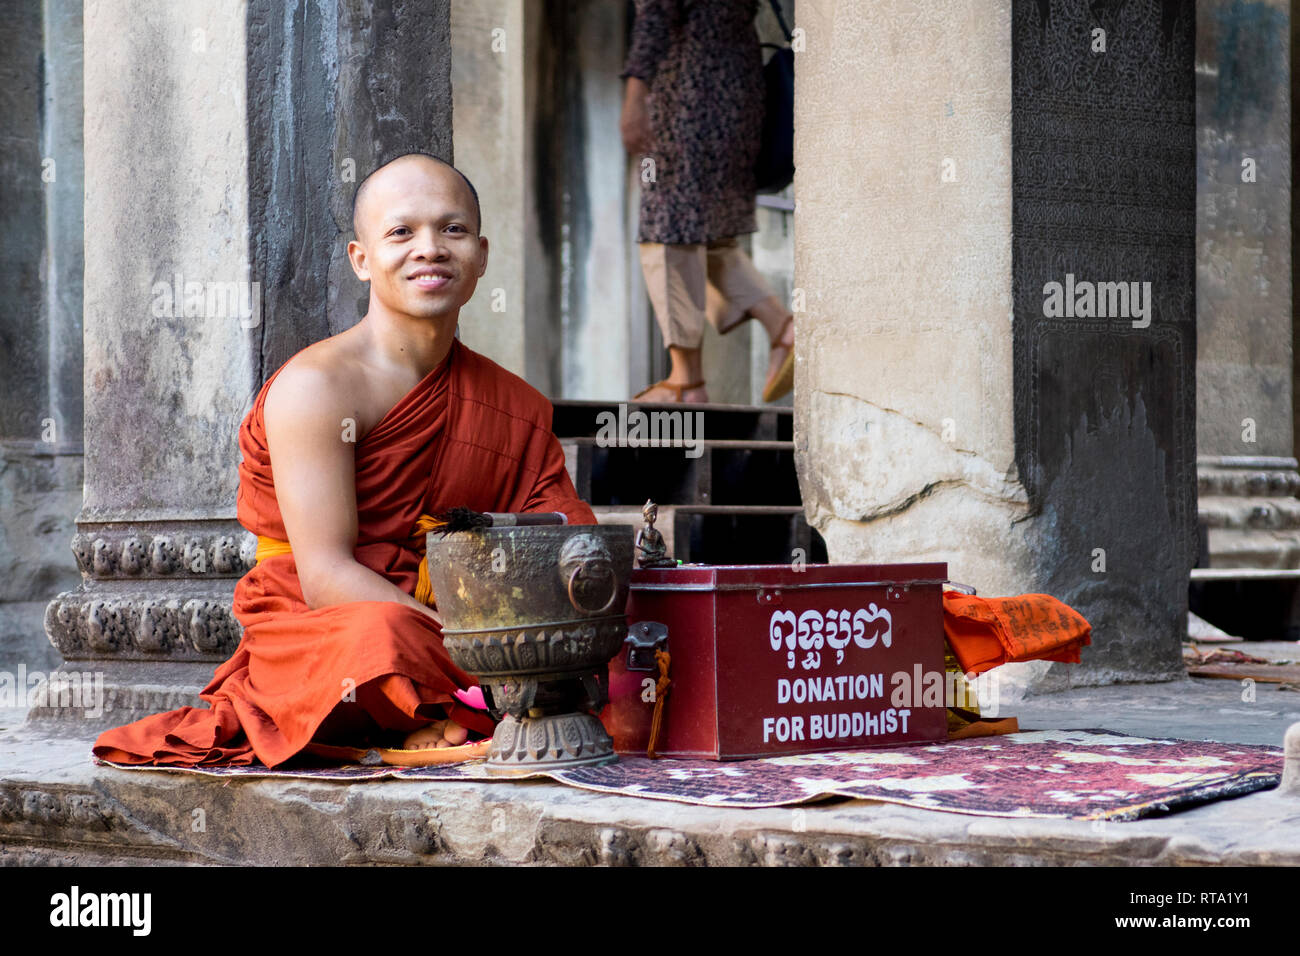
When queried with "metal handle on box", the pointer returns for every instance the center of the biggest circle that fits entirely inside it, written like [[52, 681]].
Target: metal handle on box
[[643, 639]]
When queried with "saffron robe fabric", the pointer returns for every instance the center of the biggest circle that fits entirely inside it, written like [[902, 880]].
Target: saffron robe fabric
[[985, 633], [471, 434]]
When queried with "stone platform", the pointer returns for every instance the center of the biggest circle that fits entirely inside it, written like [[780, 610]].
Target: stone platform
[[56, 807]]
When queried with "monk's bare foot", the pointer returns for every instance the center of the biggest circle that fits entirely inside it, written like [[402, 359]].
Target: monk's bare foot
[[440, 733]]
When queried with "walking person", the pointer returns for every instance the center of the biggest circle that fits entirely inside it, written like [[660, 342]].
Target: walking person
[[693, 106]]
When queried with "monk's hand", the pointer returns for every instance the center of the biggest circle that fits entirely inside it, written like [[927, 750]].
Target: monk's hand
[[634, 123]]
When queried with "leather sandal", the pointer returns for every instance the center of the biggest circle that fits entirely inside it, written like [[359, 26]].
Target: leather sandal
[[679, 389], [783, 382]]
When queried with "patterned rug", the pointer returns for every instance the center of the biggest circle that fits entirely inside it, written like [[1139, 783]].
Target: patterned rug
[[1078, 774]]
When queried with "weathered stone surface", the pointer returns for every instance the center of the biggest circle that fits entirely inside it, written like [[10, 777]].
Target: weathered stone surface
[[167, 371], [22, 637], [1104, 189], [40, 492], [370, 80], [903, 376], [1248, 506], [57, 807], [493, 141], [1245, 425], [82, 697], [23, 392], [1243, 234], [166, 378]]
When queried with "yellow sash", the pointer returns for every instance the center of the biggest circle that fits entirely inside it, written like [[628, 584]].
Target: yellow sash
[[270, 547]]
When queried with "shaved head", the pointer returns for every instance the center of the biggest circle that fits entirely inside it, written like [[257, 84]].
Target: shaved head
[[361, 213]]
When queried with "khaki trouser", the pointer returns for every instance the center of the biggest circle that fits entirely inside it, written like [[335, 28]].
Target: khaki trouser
[[691, 283]]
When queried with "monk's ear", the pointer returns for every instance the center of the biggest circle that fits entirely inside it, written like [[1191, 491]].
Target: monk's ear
[[483, 255], [360, 261]]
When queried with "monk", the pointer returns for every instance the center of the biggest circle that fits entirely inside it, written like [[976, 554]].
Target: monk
[[345, 447]]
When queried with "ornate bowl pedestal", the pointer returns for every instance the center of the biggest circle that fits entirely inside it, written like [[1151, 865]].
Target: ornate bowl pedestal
[[548, 719], [535, 614]]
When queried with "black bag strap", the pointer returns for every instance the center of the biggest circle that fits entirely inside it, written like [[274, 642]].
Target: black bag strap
[[776, 8]]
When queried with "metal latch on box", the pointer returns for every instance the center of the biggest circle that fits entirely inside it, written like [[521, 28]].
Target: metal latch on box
[[643, 639]]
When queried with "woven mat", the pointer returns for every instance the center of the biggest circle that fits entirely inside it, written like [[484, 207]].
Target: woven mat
[[1078, 774]]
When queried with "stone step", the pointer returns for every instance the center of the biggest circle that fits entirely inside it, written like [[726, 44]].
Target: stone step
[[1249, 512], [733, 444], [583, 419], [724, 472], [58, 807], [1245, 574], [1236, 548], [725, 481]]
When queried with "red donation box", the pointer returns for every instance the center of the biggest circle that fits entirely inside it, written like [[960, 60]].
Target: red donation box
[[770, 659]]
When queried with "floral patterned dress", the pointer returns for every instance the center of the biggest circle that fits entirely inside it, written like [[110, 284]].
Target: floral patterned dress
[[703, 64]]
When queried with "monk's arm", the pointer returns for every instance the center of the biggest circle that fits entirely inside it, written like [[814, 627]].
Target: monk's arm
[[313, 462], [553, 490]]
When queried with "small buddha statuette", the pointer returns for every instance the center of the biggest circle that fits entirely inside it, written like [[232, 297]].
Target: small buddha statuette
[[654, 553]]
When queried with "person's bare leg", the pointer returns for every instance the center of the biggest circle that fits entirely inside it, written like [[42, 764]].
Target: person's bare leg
[[687, 368], [440, 733], [772, 314]]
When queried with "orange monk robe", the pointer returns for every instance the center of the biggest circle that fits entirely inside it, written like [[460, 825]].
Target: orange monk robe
[[470, 433]]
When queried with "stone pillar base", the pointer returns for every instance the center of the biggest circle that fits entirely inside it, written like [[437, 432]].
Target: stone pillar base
[[84, 697], [149, 624]]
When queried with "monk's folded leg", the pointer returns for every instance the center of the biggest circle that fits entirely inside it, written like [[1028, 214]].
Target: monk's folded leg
[[333, 674]]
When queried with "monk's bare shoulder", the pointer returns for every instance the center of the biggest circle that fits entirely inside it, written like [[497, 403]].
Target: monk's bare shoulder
[[319, 388], [312, 451]]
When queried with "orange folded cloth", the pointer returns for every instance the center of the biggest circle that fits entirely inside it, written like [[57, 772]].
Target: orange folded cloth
[[987, 632]]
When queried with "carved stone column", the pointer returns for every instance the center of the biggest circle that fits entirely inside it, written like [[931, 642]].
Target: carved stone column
[[1244, 415], [167, 376], [953, 160]]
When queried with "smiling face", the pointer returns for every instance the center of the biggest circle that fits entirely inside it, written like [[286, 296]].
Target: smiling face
[[417, 239]]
